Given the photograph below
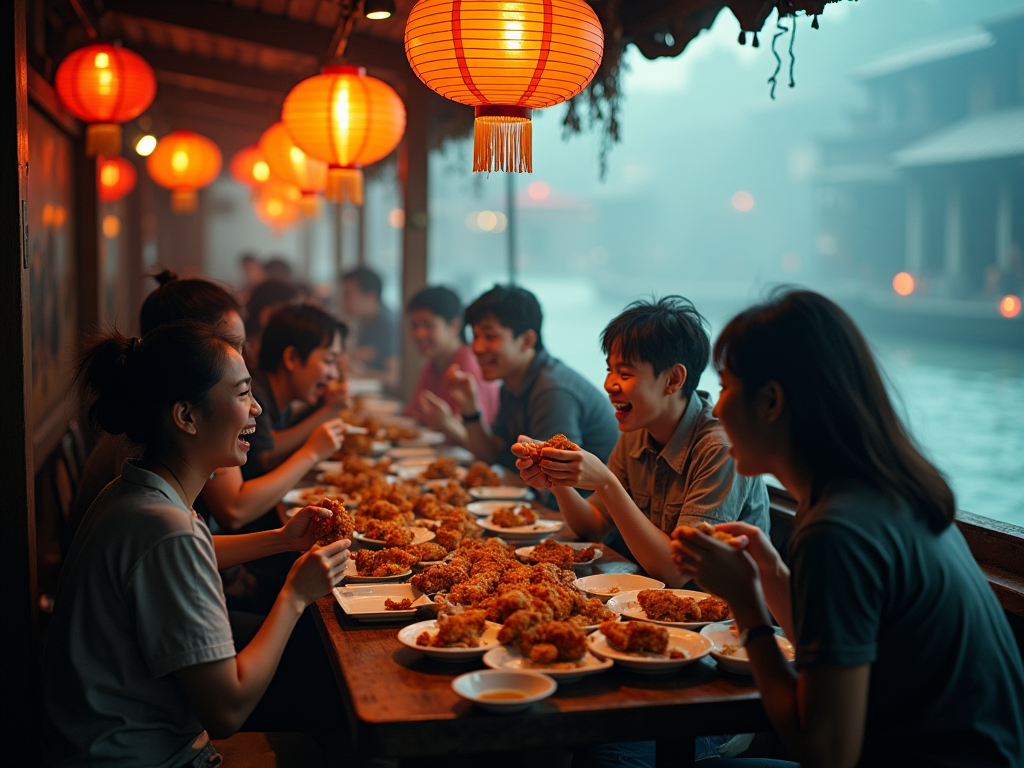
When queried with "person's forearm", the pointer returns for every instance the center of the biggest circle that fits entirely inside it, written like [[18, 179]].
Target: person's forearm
[[649, 544], [245, 547], [242, 501], [580, 515], [778, 596], [481, 442], [287, 441]]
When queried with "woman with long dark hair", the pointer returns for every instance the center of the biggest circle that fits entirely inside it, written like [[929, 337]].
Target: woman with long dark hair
[[903, 654], [140, 659]]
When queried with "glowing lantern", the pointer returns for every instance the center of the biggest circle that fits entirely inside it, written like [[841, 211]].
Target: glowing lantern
[[105, 85], [903, 283], [115, 178], [505, 58], [277, 204], [346, 119], [290, 164], [184, 162], [249, 167], [1009, 306]]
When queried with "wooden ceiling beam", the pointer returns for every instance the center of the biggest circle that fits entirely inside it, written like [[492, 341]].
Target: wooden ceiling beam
[[229, 21], [216, 69], [243, 112]]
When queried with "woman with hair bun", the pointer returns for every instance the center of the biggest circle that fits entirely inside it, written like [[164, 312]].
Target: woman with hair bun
[[904, 657], [140, 659]]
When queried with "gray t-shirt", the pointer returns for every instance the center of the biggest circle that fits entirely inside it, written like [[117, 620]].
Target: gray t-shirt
[[554, 399], [139, 599], [871, 584], [691, 479]]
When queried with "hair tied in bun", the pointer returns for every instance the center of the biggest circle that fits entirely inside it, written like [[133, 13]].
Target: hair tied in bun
[[165, 277]]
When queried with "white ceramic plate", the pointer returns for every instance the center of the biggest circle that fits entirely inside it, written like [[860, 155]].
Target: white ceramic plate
[[427, 437], [693, 645], [737, 661], [538, 530], [328, 466], [626, 604], [366, 603], [304, 497], [352, 576], [488, 640], [531, 687], [484, 508], [526, 553], [419, 536], [507, 492], [605, 586], [510, 659]]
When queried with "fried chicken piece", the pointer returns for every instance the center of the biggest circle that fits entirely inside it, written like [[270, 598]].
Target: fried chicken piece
[[512, 517], [427, 552], [459, 630], [558, 442], [339, 525], [709, 529], [401, 605], [440, 468], [662, 605], [570, 642], [506, 604], [594, 612], [559, 599], [453, 493], [432, 508], [544, 653], [636, 636], [474, 590], [549, 573], [448, 539], [390, 533], [480, 474], [713, 609], [439, 578], [380, 509], [521, 623], [382, 563]]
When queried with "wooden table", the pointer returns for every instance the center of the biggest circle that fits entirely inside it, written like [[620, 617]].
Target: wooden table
[[401, 704]]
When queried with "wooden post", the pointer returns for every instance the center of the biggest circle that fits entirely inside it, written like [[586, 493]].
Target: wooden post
[[90, 281], [413, 159], [19, 676]]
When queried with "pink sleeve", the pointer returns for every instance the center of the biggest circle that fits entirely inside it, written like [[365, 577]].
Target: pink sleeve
[[488, 392]]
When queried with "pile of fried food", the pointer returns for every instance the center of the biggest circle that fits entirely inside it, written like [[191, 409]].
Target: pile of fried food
[[441, 468], [662, 605], [339, 525], [404, 604], [639, 637], [484, 577], [562, 555], [480, 474], [362, 445], [514, 516], [558, 442]]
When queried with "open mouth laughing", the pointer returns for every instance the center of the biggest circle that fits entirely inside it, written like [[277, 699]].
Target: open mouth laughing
[[245, 433]]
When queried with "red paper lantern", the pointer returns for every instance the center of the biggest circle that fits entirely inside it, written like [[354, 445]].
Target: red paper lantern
[[505, 58], [105, 85], [249, 167], [346, 119], [115, 178], [290, 164], [184, 162], [277, 204]]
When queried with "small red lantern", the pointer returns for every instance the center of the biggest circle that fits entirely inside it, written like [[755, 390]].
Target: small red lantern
[[277, 205], [184, 162], [105, 85], [249, 167], [115, 178]]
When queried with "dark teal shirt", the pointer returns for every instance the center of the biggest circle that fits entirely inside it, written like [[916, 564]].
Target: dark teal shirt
[[554, 399], [871, 584]]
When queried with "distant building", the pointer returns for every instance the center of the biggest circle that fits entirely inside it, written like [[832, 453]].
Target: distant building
[[930, 178]]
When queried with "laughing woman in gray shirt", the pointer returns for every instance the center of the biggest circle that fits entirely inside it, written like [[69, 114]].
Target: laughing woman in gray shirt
[[904, 656], [140, 667]]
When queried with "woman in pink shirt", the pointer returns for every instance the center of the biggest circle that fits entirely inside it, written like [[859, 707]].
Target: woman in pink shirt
[[435, 315]]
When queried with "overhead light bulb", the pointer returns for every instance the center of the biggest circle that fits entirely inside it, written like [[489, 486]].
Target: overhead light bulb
[[379, 9], [146, 145]]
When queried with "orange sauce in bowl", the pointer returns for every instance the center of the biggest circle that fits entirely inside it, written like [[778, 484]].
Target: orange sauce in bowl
[[502, 695]]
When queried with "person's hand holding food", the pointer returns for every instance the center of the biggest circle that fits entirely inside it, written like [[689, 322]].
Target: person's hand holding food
[[529, 471], [299, 532], [327, 439], [462, 387]]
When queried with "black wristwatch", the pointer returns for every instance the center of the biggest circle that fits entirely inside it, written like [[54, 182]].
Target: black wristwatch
[[471, 418], [758, 631]]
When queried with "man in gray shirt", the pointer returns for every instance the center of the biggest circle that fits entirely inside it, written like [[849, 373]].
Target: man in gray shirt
[[540, 396]]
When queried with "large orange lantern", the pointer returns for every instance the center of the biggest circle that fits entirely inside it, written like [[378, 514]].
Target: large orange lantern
[[505, 58], [348, 120], [277, 204], [289, 163], [115, 178], [105, 85], [184, 162], [249, 167]]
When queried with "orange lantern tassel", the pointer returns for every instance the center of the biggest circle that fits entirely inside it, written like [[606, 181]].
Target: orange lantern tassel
[[503, 139], [344, 185]]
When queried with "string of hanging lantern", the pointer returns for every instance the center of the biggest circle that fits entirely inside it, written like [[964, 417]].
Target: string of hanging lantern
[[115, 178], [184, 162], [249, 167]]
